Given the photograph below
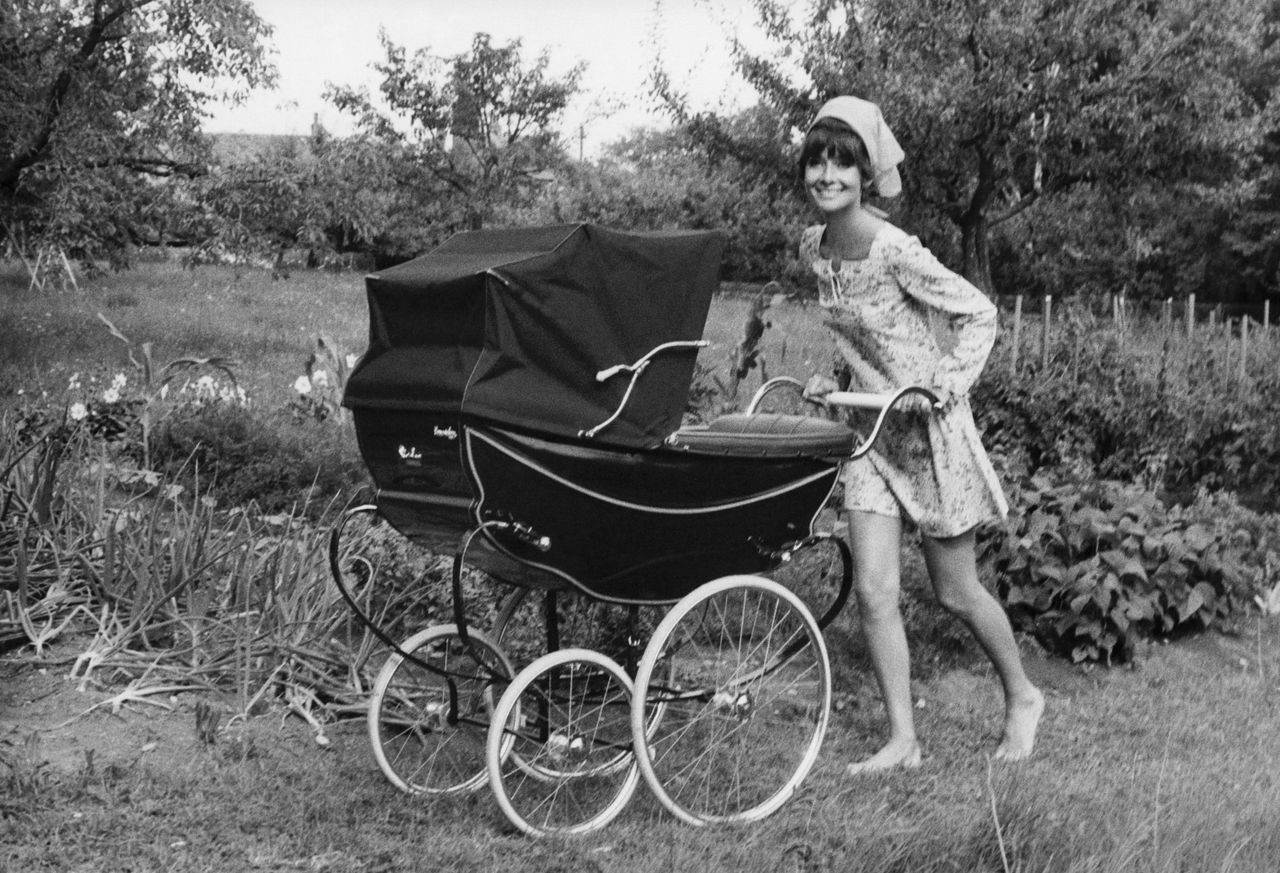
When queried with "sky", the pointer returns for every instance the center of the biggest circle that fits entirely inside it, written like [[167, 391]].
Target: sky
[[320, 41]]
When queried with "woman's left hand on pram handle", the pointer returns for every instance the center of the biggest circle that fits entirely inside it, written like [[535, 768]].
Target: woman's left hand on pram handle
[[879, 402]]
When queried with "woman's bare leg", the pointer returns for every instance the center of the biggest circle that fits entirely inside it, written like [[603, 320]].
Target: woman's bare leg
[[953, 570], [876, 541]]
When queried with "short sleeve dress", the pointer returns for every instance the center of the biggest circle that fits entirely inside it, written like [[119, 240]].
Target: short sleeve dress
[[927, 466]]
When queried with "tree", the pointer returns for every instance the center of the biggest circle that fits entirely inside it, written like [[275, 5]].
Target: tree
[[1002, 103], [99, 99], [469, 134], [320, 193]]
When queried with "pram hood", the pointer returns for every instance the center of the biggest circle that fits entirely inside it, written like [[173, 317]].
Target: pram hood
[[512, 326]]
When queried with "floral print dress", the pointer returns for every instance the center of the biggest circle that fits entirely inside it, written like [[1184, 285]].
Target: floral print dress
[[927, 466]]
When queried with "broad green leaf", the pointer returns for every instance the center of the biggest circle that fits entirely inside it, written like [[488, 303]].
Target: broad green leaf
[[1197, 537]]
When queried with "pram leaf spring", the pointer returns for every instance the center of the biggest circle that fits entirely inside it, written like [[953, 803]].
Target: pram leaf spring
[[451, 677]]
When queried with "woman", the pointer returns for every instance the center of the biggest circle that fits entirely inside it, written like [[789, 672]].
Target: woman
[[880, 288]]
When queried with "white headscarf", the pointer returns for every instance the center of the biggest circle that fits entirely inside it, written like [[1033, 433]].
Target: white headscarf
[[867, 122]]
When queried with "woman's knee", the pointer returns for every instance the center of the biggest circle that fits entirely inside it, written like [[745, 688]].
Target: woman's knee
[[877, 595], [953, 571], [875, 541], [962, 599]]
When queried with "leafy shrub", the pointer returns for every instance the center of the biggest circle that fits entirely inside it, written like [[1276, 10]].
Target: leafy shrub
[[1169, 412], [1090, 568], [241, 455]]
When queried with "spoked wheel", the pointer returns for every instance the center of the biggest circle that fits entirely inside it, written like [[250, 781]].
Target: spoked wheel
[[617, 631], [747, 709], [566, 722], [424, 742]]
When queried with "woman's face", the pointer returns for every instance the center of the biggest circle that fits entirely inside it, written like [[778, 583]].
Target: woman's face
[[834, 184]]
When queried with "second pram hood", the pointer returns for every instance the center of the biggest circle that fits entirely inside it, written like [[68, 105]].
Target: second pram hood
[[512, 325]]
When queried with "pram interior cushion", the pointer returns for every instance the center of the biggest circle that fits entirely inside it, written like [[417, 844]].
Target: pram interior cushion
[[768, 435]]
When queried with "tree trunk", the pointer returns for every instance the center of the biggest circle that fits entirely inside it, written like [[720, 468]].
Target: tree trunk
[[975, 264], [974, 232]]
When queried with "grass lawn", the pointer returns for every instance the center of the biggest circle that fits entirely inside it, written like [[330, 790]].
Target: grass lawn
[[1171, 765]]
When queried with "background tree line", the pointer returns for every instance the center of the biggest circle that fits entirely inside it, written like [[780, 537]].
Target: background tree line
[[1056, 146]]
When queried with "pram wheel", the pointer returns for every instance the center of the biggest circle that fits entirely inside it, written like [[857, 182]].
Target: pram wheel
[[746, 712], [421, 746], [559, 749], [617, 631]]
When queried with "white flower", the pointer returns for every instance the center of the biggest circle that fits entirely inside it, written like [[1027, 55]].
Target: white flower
[[351, 360], [77, 412], [74, 383], [302, 385], [111, 395], [119, 381], [320, 378], [206, 387]]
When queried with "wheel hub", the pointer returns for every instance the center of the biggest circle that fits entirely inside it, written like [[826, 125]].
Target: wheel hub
[[435, 716], [741, 704], [566, 748]]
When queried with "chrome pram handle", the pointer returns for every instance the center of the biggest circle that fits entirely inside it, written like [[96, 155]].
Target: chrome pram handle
[[635, 370], [882, 403], [853, 399]]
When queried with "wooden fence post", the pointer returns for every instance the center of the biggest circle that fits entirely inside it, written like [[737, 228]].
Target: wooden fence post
[[1266, 319], [1191, 315], [1119, 317], [1044, 332], [1017, 335], [1226, 344], [1244, 348]]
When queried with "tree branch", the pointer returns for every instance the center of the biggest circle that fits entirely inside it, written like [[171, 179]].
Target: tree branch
[[1017, 209], [160, 167], [51, 112]]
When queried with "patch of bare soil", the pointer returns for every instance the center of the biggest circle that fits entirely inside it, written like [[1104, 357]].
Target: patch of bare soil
[[45, 716]]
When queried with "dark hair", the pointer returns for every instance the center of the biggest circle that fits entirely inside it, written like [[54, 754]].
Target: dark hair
[[831, 136]]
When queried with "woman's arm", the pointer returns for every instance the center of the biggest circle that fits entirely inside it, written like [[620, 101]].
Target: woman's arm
[[971, 315]]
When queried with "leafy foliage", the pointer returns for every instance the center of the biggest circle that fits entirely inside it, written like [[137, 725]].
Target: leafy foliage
[[663, 181], [459, 138], [98, 98], [240, 455], [1091, 568], [1002, 104], [1171, 412]]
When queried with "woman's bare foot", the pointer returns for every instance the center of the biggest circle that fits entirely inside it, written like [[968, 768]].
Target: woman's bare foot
[[1021, 719], [897, 753]]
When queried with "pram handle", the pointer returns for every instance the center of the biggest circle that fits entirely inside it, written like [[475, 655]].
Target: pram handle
[[609, 372], [882, 403], [852, 399], [635, 370], [868, 400]]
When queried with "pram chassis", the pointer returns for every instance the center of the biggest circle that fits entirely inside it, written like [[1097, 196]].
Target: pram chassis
[[488, 694], [721, 705]]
